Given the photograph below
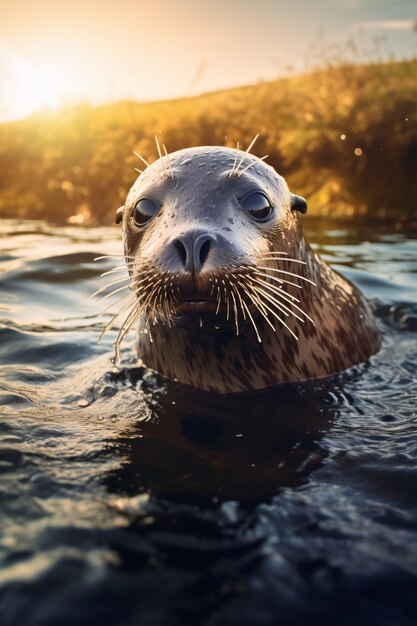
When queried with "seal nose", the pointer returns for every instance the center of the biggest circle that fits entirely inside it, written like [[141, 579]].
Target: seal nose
[[193, 250]]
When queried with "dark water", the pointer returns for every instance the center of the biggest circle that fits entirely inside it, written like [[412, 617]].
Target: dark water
[[125, 500]]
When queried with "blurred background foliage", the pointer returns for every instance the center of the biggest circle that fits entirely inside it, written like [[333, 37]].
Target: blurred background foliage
[[345, 137]]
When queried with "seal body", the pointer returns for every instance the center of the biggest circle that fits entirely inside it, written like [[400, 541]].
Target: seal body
[[227, 294]]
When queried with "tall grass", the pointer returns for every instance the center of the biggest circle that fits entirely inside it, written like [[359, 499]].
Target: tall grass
[[344, 136]]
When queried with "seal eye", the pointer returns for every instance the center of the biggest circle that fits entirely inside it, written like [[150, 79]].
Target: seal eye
[[144, 210], [257, 205]]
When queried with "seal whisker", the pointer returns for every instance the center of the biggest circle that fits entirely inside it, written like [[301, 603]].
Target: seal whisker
[[277, 258], [110, 324], [240, 302], [159, 307], [142, 159], [157, 298], [150, 333], [234, 162], [152, 292], [114, 282], [226, 299], [248, 149], [112, 293], [147, 275], [274, 313], [257, 159], [280, 281], [150, 165], [245, 286], [279, 292], [152, 308], [262, 293], [164, 304], [219, 294], [252, 320], [112, 256], [282, 307], [108, 307], [252, 143], [235, 309], [113, 272], [273, 252], [170, 301], [118, 269], [158, 147], [96, 293], [126, 326], [260, 306], [274, 269], [127, 323], [144, 283]]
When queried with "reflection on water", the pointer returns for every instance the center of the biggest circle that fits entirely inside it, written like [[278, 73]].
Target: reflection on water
[[128, 499], [238, 448]]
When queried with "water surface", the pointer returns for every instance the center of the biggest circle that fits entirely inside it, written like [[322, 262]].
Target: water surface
[[129, 500]]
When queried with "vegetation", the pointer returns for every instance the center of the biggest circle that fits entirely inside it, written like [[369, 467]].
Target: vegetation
[[344, 137]]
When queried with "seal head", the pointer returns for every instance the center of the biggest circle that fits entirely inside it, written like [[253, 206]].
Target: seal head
[[227, 294]]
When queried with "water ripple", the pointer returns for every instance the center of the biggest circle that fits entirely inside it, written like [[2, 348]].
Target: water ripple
[[125, 495]]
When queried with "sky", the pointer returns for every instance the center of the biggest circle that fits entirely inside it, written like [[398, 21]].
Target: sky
[[57, 52]]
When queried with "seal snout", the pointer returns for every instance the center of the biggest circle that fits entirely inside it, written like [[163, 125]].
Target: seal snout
[[192, 250], [195, 257]]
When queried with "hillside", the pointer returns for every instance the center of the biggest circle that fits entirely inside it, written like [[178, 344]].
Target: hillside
[[346, 138]]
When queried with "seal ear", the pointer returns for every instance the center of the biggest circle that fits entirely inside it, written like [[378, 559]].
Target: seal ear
[[119, 214], [298, 203]]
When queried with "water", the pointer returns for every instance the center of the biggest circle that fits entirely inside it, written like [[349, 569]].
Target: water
[[127, 500]]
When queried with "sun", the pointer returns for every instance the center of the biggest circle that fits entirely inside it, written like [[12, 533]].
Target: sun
[[44, 87], [31, 87], [40, 87]]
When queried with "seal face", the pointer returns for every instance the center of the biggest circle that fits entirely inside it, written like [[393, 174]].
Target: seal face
[[227, 294]]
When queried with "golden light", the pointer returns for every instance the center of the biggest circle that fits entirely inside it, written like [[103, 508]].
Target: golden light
[[31, 87], [41, 87]]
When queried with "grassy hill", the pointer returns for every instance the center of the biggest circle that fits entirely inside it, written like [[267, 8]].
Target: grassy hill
[[346, 138]]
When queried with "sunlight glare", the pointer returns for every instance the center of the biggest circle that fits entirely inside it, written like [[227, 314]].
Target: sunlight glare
[[42, 87]]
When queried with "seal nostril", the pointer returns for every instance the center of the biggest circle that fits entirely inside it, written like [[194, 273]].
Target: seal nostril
[[182, 251], [204, 251], [192, 250], [202, 247]]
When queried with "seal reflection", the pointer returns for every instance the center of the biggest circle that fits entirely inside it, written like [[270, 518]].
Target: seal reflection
[[203, 447]]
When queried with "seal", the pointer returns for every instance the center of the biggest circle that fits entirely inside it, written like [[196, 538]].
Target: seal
[[226, 293]]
